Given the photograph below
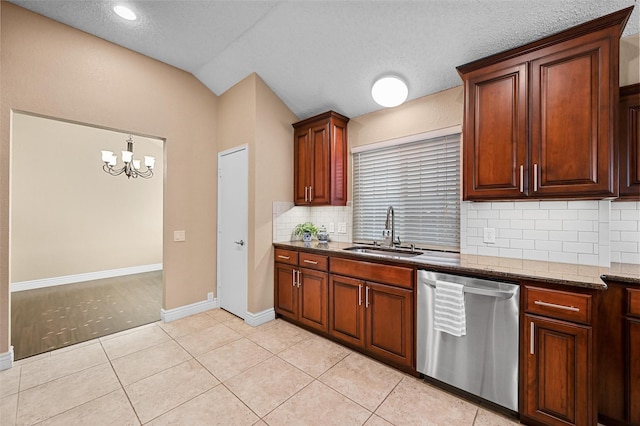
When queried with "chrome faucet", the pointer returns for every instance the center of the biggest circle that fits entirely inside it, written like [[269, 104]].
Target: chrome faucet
[[389, 232]]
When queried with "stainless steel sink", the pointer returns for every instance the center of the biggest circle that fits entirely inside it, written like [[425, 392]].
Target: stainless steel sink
[[383, 251]]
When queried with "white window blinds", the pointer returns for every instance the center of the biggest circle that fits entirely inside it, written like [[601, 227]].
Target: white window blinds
[[421, 180]]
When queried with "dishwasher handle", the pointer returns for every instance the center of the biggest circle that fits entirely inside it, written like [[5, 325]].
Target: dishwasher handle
[[499, 294]]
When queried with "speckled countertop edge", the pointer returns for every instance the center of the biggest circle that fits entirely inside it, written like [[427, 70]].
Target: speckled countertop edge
[[585, 276]]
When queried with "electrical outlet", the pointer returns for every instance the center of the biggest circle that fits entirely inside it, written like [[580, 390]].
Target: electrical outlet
[[210, 296], [179, 235], [332, 227], [342, 228], [489, 235]]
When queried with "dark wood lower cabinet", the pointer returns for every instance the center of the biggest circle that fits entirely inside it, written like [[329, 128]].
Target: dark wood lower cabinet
[[301, 295], [619, 355], [373, 316], [557, 372], [633, 378], [389, 322]]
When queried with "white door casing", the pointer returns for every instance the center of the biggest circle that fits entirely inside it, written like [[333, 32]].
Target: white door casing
[[233, 213]]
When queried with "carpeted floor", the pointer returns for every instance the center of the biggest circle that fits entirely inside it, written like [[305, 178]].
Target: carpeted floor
[[51, 318]]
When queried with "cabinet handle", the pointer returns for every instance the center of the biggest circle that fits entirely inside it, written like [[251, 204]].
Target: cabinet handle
[[359, 294], [310, 193], [521, 178], [311, 262], [306, 198], [553, 305], [366, 297], [299, 278], [535, 177], [293, 277], [532, 339], [283, 257]]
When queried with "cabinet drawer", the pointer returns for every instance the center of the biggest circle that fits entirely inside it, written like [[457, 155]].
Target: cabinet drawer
[[286, 256], [558, 304], [633, 296], [313, 261], [387, 274]]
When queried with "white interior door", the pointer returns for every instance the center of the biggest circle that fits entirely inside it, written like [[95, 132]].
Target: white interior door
[[233, 201]]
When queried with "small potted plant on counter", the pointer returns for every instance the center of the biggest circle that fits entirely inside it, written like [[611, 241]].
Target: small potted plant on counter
[[307, 230]]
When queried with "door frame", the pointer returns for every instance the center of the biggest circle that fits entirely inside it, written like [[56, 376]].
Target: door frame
[[244, 147]]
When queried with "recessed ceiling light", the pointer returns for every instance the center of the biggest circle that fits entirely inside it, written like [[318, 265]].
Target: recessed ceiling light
[[389, 91], [125, 13]]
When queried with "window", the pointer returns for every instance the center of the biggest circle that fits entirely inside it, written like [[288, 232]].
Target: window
[[420, 179]]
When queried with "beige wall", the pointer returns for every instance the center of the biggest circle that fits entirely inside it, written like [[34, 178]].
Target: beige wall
[[67, 215], [630, 60], [273, 181], [250, 113], [53, 70]]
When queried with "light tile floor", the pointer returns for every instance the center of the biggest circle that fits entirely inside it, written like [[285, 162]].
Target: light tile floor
[[212, 368]]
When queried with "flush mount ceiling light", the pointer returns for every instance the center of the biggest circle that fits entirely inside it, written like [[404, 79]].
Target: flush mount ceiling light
[[125, 13], [389, 91], [131, 166]]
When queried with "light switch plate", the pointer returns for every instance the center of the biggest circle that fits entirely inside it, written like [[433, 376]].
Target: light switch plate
[[179, 236], [489, 235], [342, 228], [332, 227]]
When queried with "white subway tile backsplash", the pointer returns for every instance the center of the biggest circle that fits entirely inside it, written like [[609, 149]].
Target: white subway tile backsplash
[[588, 237], [536, 255], [630, 258], [510, 214], [563, 257], [563, 214], [563, 235], [548, 245], [589, 232], [523, 244], [535, 214], [569, 247], [630, 215], [488, 214], [579, 225], [523, 224], [550, 225]]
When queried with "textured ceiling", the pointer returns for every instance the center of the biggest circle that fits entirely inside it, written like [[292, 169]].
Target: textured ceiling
[[320, 55]]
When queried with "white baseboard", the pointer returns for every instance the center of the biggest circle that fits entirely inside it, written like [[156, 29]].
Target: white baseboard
[[169, 315], [89, 276], [260, 318], [6, 359]]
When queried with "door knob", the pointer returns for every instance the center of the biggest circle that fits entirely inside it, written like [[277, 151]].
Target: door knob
[[240, 243]]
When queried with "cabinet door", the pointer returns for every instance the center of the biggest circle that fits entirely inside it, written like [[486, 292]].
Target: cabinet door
[[319, 184], [634, 371], [313, 299], [558, 372], [495, 134], [346, 309], [286, 292], [571, 120], [630, 142], [301, 166], [389, 322]]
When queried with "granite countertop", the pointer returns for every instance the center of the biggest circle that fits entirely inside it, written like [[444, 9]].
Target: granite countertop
[[585, 276]]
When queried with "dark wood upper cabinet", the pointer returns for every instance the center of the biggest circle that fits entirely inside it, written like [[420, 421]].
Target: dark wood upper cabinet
[[539, 120], [320, 160], [629, 139]]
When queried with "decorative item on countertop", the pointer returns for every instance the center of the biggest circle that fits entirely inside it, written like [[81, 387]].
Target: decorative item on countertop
[[307, 230], [323, 235]]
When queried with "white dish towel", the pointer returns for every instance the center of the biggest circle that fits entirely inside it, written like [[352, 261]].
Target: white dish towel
[[449, 314]]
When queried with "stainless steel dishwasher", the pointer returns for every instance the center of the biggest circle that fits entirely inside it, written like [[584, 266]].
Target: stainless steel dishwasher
[[484, 362]]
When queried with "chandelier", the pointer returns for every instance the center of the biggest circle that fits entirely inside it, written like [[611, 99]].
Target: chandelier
[[131, 166]]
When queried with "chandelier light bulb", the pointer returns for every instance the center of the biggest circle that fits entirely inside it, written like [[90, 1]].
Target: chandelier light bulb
[[389, 91]]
